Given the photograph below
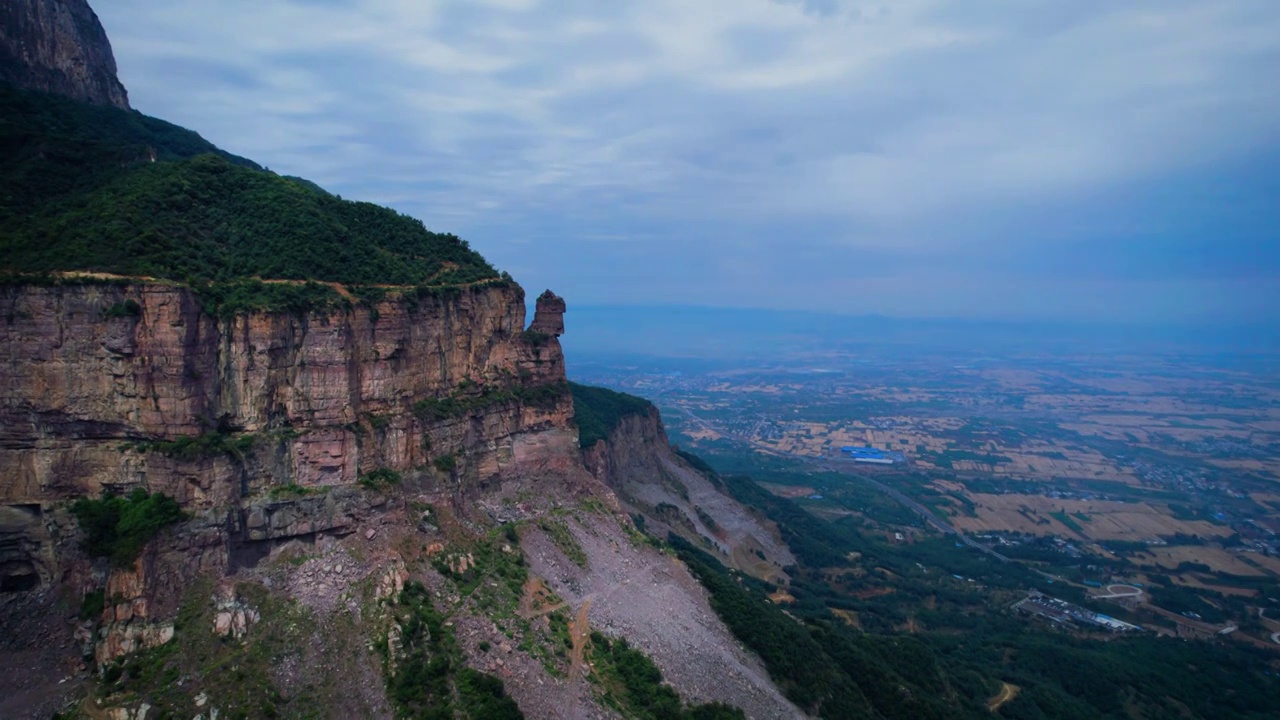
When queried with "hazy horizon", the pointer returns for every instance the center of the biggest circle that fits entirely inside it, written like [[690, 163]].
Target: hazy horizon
[[709, 333]]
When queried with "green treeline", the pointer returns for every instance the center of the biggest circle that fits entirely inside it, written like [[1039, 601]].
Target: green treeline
[[632, 683], [207, 218], [466, 401], [598, 411], [1062, 517], [427, 679], [796, 659], [194, 447], [53, 147]]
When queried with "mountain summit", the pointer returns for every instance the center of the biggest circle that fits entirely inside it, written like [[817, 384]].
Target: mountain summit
[[59, 46]]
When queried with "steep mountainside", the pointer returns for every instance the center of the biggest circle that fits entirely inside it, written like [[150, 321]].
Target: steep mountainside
[[666, 492], [59, 46], [268, 453]]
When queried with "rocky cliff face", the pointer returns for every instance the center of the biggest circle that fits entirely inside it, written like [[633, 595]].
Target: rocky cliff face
[[59, 46], [101, 386], [110, 387], [323, 460], [548, 316]]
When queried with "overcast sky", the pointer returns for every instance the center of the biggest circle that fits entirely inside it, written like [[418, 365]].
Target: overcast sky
[[1070, 159]]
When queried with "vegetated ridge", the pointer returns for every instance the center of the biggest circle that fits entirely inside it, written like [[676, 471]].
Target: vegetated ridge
[[598, 411], [103, 190]]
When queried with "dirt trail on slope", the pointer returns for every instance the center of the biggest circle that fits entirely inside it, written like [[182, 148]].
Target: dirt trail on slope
[[579, 631], [1007, 692], [535, 593]]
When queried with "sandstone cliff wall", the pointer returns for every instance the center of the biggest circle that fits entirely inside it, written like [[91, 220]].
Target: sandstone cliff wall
[[93, 397], [58, 46], [111, 387]]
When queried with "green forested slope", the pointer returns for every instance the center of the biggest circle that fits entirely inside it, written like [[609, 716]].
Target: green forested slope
[[79, 191], [598, 411], [52, 147]]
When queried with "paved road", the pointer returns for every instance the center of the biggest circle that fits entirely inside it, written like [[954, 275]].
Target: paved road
[[1112, 593], [928, 515]]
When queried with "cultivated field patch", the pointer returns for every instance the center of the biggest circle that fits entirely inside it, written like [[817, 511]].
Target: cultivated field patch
[[1096, 519], [1220, 560]]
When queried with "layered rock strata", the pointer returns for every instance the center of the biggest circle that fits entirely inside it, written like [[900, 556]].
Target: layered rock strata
[[548, 316], [264, 426], [209, 410]]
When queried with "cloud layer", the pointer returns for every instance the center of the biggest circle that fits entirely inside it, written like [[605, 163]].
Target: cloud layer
[[985, 158]]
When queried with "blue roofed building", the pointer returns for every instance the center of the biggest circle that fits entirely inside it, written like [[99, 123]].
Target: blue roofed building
[[873, 456]]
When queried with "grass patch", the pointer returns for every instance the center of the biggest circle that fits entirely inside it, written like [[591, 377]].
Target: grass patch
[[92, 605], [1062, 517], [291, 490], [632, 684], [227, 298], [380, 479], [118, 528], [196, 447], [563, 539], [469, 399], [235, 674], [445, 463], [128, 308], [487, 560], [483, 697], [426, 678]]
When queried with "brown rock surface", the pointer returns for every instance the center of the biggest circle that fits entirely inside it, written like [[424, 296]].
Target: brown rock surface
[[326, 396], [304, 403], [548, 315], [59, 46]]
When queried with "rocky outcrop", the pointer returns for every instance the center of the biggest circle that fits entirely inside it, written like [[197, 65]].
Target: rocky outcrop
[[336, 512], [59, 46], [209, 410], [652, 481], [278, 434], [548, 316], [233, 614], [141, 600]]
